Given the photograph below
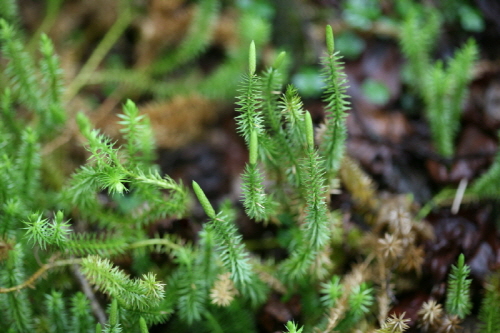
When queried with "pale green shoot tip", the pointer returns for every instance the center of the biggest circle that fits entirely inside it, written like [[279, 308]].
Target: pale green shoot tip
[[252, 59], [143, 325], [309, 130], [254, 144], [279, 60], [461, 260], [202, 198], [329, 39], [293, 328]]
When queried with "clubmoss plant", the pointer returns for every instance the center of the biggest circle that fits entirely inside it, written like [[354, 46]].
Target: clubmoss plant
[[442, 88], [490, 322], [93, 236], [458, 300]]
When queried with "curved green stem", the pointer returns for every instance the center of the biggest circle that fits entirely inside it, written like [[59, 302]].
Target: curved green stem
[[29, 282]]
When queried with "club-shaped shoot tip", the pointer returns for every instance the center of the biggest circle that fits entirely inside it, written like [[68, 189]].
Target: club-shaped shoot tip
[[329, 39], [202, 198], [252, 59]]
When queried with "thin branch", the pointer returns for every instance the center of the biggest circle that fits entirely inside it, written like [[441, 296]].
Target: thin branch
[[39, 273]]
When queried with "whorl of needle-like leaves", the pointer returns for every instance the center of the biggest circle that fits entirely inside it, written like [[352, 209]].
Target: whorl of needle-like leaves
[[20, 70], [57, 233], [443, 88], [138, 135], [56, 312], [444, 91], [488, 313], [359, 300], [37, 88], [137, 294], [418, 33], [229, 241], [84, 244], [191, 292], [257, 203], [28, 164], [292, 109], [295, 267], [292, 327], [52, 80], [272, 80], [315, 229], [458, 293], [332, 144], [81, 319], [119, 170], [460, 74], [255, 199], [232, 250], [332, 291], [249, 101], [43, 232], [316, 220]]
